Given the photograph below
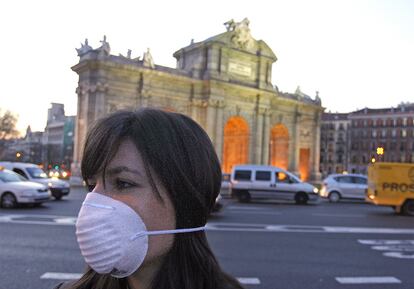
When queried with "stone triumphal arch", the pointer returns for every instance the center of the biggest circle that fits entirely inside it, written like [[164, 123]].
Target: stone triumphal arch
[[224, 83]]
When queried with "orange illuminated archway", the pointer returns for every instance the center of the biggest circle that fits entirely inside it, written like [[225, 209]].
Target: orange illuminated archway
[[279, 146], [304, 156], [236, 143]]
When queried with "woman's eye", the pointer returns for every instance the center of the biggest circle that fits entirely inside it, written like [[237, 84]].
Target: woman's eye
[[120, 184]]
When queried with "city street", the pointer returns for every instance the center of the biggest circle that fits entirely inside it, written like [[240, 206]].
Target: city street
[[266, 245]]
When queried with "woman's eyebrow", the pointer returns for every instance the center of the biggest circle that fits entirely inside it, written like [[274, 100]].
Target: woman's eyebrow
[[120, 169]]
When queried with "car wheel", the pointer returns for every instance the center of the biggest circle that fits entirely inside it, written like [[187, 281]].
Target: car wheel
[[408, 208], [334, 197], [301, 198], [58, 196], [8, 200], [243, 196]]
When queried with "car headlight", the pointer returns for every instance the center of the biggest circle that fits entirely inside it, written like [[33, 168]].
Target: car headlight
[[49, 185], [315, 190]]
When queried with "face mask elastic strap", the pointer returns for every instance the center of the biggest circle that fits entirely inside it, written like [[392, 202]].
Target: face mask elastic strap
[[162, 232]]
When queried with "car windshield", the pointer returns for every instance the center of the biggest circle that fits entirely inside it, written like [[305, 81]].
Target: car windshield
[[37, 173], [225, 177], [9, 177], [293, 178]]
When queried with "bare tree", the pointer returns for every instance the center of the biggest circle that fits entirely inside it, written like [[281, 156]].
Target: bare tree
[[8, 122]]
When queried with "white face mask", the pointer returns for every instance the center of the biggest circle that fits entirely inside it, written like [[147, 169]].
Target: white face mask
[[112, 237]]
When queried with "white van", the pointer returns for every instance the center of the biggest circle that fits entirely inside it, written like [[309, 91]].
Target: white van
[[268, 182], [34, 173]]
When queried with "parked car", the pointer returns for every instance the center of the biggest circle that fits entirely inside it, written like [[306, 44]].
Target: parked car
[[225, 185], [217, 205], [35, 174], [256, 181], [344, 186], [14, 190]]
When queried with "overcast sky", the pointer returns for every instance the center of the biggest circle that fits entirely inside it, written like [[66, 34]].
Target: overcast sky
[[355, 53]]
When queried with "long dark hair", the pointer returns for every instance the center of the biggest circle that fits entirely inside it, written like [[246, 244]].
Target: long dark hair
[[182, 156]]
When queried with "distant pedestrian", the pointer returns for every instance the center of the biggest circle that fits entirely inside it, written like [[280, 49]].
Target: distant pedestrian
[[153, 178]]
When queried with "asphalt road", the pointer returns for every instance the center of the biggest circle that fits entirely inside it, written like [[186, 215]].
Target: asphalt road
[[266, 245]]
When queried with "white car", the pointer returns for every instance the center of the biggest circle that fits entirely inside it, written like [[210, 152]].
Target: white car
[[14, 189], [344, 186], [268, 182], [35, 174], [225, 185]]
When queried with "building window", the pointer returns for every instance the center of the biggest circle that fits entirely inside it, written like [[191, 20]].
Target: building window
[[374, 133], [384, 133], [404, 121], [364, 159], [394, 133], [403, 132]]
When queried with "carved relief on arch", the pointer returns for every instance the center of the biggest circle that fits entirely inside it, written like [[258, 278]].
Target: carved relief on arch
[[279, 146], [235, 143]]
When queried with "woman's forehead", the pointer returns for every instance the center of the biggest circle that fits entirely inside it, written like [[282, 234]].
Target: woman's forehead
[[127, 155]]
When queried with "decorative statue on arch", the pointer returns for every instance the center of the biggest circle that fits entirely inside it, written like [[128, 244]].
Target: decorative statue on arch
[[241, 33]]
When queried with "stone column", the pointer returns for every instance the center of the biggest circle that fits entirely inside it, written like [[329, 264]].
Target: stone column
[[101, 89], [211, 119], [315, 174], [294, 160], [220, 130], [258, 137], [193, 108], [80, 130], [266, 137]]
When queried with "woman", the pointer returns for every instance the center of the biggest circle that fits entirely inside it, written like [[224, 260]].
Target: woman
[[153, 178]]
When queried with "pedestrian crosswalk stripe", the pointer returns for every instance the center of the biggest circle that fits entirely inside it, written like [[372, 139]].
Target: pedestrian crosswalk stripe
[[60, 276], [368, 280], [74, 276], [249, 281], [403, 249]]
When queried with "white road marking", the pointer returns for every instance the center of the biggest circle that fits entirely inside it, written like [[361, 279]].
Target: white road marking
[[244, 208], [249, 281], [398, 255], [66, 221], [386, 242], [34, 219], [395, 248], [368, 280], [403, 249], [338, 215], [61, 276], [230, 227], [74, 276], [303, 229], [253, 212]]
